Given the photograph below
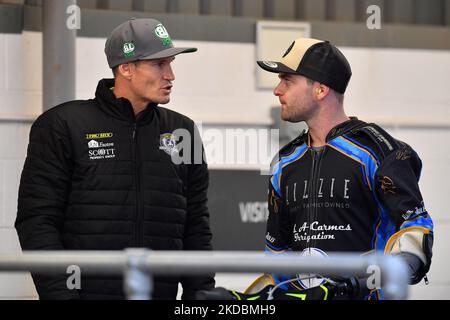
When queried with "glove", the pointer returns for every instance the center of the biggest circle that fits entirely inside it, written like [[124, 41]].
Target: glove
[[415, 265], [322, 292]]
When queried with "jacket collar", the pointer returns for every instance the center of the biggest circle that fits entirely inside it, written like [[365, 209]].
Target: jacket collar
[[119, 108], [338, 130], [344, 128]]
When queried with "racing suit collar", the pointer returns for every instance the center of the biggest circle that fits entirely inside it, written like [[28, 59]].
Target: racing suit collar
[[343, 128], [119, 108], [338, 130]]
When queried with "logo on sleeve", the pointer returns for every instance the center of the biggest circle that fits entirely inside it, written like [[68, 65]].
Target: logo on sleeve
[[387, 185], [412, 214]]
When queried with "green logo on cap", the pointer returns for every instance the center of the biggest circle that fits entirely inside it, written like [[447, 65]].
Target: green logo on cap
[[162, 33], [128, 49]]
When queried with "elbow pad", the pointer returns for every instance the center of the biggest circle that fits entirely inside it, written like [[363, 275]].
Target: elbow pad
[[418, 244]]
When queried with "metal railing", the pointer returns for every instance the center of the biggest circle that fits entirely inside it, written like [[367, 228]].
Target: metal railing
[[139, 265]]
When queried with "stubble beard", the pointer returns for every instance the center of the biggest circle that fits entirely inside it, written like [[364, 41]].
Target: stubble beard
[[301, 112]]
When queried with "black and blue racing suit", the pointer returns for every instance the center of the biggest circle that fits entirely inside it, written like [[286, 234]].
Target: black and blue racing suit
[[358, 193]]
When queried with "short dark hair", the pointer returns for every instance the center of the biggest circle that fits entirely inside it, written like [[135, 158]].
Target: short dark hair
[[115, 70]]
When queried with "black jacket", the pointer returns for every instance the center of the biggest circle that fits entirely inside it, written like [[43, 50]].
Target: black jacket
[[357, 194], [97, 178]]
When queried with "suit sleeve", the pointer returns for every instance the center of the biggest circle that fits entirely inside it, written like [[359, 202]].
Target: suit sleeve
[[278, 231], [43, 192], [397, 186], [198, 234]]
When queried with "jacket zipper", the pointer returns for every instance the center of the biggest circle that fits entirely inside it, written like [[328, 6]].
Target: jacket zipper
[[312, 212], [311, 197], [139, 217], [319, 155]]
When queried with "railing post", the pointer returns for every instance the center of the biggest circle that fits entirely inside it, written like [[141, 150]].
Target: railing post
[[395, 278], [138, 283], [59, 48]]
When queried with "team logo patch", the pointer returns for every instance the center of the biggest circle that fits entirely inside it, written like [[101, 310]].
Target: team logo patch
[[162, 33], [129, 49], [271, 64], [168, 143]]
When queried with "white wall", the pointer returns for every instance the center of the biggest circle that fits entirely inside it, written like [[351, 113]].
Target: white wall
[[432, 146], [217, 86], [20, 90]]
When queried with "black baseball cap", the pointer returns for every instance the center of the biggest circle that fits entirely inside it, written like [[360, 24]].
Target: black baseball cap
[[140, 39], [315, 59]]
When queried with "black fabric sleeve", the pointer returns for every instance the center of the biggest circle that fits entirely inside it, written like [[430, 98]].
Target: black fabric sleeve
[[278, 228], [397, 185], [43, 193], [197, 234]]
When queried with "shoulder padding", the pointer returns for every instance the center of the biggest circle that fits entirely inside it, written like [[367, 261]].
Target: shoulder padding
[[289, 147], [383, 140], [294, 143]]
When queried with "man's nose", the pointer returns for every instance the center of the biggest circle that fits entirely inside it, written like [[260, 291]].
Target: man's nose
[[168, 73], [277, 90]]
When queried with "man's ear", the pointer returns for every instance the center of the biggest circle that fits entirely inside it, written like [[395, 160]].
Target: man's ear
[[125, 70], [321, 91]]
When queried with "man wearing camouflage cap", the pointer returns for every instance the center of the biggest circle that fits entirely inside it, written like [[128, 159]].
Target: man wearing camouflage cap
[[99, 173]]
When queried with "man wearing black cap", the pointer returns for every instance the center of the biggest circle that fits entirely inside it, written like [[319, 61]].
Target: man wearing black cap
[[345, 185], [99, 173]]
